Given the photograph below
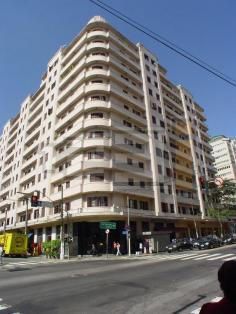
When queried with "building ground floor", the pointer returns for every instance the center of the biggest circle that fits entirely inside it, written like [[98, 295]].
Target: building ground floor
[[155, 233]]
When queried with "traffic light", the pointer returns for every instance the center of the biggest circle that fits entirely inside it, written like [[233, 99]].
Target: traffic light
[[35, 199]]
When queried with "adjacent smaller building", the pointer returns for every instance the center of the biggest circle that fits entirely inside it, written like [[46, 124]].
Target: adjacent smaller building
[[224, 150]]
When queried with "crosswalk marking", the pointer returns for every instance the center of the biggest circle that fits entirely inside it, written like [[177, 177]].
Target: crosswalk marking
[[229, 259], [203, 256], [218, 257], [192, 256]]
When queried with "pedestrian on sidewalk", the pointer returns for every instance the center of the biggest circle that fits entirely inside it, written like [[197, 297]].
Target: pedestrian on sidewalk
[[118, 248], [227, 280], [114, 247]]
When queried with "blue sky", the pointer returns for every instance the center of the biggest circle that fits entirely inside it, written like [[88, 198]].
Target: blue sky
[[32, 31]]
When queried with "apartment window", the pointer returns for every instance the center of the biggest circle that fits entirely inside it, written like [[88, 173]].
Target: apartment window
[[97, 81], [158, 152], [95, 155], [142, 184], [150, 91], [39, 177], [143, 205], [162, 124], [148, 79], [162, 189], [98, 97], [97, 67], [46, 156], [95, 115], [133, 204], [44, 192], [45, 174], [97, 201], [128, 124], [168, 172], [159, 167], [67, 206], [156, 85], [129, 161], [154, 121], [155, 135], [154, 73], [96, 134], [146, 57], [126, 107], [141, 165], [164, 207], [166, 155], [154, 106], [36, 214], [49, 125], [169, 189], [172, 210], [41, 160], [68, 164], [147, 68], [139, 146], [160, 110], [130, 181], [128, 142], [94, 177]]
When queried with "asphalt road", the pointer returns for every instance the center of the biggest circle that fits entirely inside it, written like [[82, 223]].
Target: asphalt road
[[145, 285]]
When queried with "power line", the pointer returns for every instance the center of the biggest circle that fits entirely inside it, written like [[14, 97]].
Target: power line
[[165, 42]]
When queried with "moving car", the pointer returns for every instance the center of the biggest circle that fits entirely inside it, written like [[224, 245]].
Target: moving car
[[180, 245]]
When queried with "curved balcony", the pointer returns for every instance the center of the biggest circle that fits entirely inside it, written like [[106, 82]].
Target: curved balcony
[[92, 45], [5, 204], [97, 87], [97, 186], [98, 33], [69, 134], [95, 122], [27, 176], [98, 163], [70, 192], [96, 104], [95, 59], [94, 142], [96, 72]]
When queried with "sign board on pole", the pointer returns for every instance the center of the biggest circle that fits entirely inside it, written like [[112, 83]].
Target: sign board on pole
[[107, 225]]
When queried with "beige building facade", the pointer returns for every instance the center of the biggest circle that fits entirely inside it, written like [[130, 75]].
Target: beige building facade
[[106, 136]]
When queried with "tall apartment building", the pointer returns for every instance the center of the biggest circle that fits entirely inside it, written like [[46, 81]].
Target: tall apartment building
[[109, 131], [224, 150]]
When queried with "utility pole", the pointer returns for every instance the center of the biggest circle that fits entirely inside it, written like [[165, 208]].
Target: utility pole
[[62, 252], [128, 228], [26, 198]]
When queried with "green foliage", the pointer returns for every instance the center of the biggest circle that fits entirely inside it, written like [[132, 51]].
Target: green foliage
[[52, 248]]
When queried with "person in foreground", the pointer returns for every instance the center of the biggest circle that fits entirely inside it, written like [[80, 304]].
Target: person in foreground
[[227, 280]]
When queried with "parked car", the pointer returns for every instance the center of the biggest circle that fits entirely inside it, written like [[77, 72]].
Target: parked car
[[209, 242], [179, 245], [227, 239], [233, 237]]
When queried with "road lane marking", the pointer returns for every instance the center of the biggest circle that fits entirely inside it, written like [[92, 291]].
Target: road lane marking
[[206, 256], [218, 257], [229, 259]]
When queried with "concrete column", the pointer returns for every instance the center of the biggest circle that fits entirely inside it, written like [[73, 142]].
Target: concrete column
[[44, 235], [54, 233], [139, 227], [35, 235]]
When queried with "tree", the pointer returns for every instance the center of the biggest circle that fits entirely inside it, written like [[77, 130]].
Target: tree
[[221, 201]]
